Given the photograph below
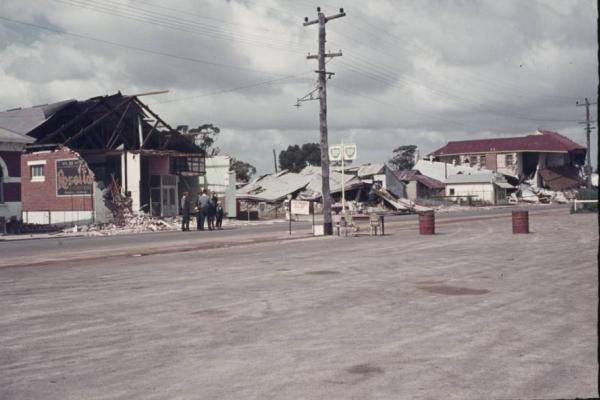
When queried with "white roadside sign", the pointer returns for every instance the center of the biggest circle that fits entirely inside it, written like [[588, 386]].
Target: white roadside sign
[[300, 207]]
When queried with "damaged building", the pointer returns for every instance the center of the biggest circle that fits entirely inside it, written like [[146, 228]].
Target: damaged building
[[86, 153], [544, 159]]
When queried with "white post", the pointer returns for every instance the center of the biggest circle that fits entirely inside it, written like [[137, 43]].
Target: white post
[[343, 183]]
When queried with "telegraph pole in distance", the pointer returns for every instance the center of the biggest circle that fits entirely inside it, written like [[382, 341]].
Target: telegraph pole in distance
[[323, 76], [588, 129]]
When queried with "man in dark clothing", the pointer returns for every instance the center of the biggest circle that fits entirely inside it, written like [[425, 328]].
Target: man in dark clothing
[[185, 211], [202, 205], [212, 211], [219, 215]]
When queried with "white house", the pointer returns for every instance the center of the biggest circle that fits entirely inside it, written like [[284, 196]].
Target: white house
[[484, 187]]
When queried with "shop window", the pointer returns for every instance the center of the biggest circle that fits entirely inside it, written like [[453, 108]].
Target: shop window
[[37, 173], [508, 160], [172, 197]]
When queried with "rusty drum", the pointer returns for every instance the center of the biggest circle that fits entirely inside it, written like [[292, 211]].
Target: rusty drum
[[520, 221], [427, 223]]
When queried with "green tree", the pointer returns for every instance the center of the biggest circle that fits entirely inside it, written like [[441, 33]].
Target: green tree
[[205, 136], [243, 170], [295, 158], [404, 157]]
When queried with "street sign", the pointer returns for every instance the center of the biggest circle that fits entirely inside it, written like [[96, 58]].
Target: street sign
[[348, 151], [335, 153], [300, 207]]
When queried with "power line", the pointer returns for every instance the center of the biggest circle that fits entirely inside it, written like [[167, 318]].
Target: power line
[[140, 49]]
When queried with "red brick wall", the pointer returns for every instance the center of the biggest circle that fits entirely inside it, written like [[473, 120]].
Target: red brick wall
[[41, 196]]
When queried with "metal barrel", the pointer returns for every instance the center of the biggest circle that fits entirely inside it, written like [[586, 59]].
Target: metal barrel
[[520, 221], [427, 223]]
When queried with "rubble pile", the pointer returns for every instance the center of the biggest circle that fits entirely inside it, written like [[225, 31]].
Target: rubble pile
[[118, 204], [132, 224], [532, 194]]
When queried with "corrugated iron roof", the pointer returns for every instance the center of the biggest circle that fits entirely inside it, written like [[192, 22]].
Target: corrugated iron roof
[[439, 170], [541, 141], [415, 175]]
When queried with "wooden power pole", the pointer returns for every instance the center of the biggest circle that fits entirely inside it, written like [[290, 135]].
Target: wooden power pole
[[588, 130], [323, 76]]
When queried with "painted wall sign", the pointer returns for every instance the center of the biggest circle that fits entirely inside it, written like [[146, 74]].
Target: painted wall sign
[[73, 178]]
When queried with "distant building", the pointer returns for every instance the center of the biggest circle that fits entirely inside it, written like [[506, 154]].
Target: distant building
[[546, 158], [487, 188], [419, 186], [11, 147], [221, 180]]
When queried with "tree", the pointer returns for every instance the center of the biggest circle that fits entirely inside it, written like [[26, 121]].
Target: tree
[[204, 136], [243, 170], [295, 158], [404, 157]]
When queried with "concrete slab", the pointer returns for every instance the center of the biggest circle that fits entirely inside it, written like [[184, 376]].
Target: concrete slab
[[473, 312]]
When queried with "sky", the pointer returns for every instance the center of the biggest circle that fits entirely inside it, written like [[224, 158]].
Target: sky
[[420, 72]]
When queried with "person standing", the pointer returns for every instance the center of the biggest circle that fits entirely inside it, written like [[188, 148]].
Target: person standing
[[219, 215], [212, 211], [185, 211], [202, 206]]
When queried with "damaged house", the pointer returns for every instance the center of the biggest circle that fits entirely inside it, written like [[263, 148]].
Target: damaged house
[[90, 158], [545, 159]]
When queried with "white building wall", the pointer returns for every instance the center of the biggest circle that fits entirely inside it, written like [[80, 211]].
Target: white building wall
[[221, 181], [483, 191], [131, 167], [57, 217], [513, 169]]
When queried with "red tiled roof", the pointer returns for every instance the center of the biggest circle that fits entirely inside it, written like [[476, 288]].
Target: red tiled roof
[[544, 141], [561, 178]]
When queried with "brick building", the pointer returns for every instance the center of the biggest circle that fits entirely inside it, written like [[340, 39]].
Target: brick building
[[84, 149], [546, 159]]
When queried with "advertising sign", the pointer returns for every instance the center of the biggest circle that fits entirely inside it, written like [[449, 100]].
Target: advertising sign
[[348, 151], [300, 207], [335, 153], [73, 178]]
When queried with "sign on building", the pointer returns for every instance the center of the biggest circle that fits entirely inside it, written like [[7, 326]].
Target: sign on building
[[300, 207], [73, 178]]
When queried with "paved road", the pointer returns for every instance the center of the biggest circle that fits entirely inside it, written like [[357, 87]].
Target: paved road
[[60, 248], [473, 312]]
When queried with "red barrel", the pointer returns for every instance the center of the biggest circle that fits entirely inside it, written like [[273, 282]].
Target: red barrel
[[520, 221], [427, 223]]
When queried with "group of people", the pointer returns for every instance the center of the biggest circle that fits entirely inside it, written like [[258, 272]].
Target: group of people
[[207, 209]]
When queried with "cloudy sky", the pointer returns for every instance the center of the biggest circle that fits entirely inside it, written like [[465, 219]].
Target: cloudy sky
[[412, 72]]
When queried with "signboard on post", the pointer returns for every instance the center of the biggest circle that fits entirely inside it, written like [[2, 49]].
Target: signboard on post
[[335, 153], [73, 178], [300, 207]]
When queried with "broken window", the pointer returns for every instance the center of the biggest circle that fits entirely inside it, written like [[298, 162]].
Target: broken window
[[473, 160], [482, 161], [508, 160], [191, 165]]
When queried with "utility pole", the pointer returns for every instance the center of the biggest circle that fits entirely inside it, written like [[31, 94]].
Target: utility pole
[[275, 160], [323, 76], [588, 129]]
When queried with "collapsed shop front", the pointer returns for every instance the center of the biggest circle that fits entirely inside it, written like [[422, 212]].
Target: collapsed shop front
[[108, 145]]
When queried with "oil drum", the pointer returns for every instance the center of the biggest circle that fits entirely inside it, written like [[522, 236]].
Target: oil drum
[[520, 221], [427, 223]]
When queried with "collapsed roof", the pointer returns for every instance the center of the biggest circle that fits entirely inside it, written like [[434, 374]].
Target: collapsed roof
[[306, 184], [100, 123]]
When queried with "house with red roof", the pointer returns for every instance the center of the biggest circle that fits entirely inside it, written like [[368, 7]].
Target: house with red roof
[[546, 159]]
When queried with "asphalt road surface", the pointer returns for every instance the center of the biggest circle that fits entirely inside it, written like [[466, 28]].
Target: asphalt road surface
[[472, 312]]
